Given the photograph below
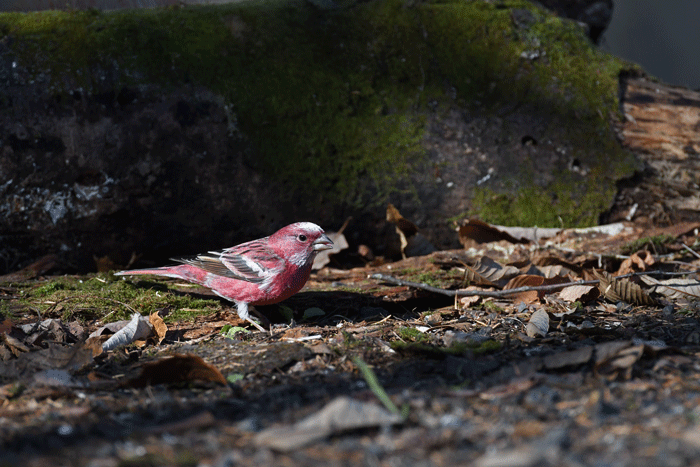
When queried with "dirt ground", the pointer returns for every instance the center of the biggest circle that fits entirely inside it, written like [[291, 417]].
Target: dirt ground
[[369, 372]]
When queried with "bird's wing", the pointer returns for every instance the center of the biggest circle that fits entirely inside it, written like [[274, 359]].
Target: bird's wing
[[251, 262]]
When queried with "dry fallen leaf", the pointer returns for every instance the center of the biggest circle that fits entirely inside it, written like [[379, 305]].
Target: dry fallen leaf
[[55, 356], [470, 300], [568, 358], [529, 296], [176, 369], [638, 261], [412, 242], [617, 290], [159, 327], [620, 363], [474, 231], [14, 345], [340, 243], [105, 264], [339, 415], [538, 324], [5, 326], [490, 273], [35, 269], [579, 293], [544, 260], [674, 289], [136, 329], [513, 387]]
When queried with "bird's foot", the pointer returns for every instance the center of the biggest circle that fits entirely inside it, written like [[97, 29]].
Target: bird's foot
[[262, 319]]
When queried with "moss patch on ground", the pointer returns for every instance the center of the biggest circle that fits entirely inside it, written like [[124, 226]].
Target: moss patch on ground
[[334, 102], [102, 297]]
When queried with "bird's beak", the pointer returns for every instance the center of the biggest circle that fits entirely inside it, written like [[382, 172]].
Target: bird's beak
[[322, 243]]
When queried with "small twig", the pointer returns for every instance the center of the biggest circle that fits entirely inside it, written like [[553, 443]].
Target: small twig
[[118, 302], [78, 297], [479, 293], [505, 293], [658, 273], [201, 338], [695, 253]]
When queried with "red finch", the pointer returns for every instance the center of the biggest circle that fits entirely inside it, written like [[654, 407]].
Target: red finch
[[259, 272]]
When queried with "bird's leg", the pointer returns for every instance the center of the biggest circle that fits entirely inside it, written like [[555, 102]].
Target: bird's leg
[[242, 309], [263, 319]]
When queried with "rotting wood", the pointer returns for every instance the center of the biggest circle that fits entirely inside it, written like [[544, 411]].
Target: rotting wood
[[662, 127]]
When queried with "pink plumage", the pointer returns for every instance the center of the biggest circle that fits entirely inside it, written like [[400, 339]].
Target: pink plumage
[[259, 272]]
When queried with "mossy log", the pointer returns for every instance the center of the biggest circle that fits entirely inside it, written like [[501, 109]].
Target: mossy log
[[176, 130]]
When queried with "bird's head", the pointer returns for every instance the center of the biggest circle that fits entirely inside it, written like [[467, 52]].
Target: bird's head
[[300, 242]]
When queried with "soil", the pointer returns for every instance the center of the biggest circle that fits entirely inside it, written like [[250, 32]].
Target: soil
[[607, 382]]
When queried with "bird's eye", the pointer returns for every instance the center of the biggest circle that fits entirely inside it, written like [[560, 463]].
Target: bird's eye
[[302, 238]]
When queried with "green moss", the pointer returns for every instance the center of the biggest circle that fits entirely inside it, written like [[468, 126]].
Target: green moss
[[458, 348], [569, 78], [49, 288], [435, 278], [559, 205], [412, 335], [657, 244], [492, 307], [488, 346], [104, 297], [317, 95], [495, 64], [5, 311]]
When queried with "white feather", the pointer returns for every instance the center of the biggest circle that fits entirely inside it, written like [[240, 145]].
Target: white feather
[[310, 226], [300, 258]]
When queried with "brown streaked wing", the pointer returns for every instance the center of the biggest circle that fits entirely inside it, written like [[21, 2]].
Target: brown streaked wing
[[214, 265]]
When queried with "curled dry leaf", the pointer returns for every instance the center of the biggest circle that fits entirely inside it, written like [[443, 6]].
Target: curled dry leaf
[[488, 272], [35, 269], [550, 260], [524, 280], [620, 363], [475, 231], [568, 358], [554, 270], [339, 415], [138, 328], [529, 296], [176, 369], [366, 252], [551, 271], [159, 327], [674, 289], [579, 293], [470, 300], [412, 242], [340, 243], [639, 261], [14, 345], [617, 290], [538, 324], [6, 326]]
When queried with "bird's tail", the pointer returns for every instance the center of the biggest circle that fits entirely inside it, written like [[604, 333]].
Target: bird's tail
[[183, 271]]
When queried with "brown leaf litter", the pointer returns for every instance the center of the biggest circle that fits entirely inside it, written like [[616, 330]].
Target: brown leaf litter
[[595, 368]]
